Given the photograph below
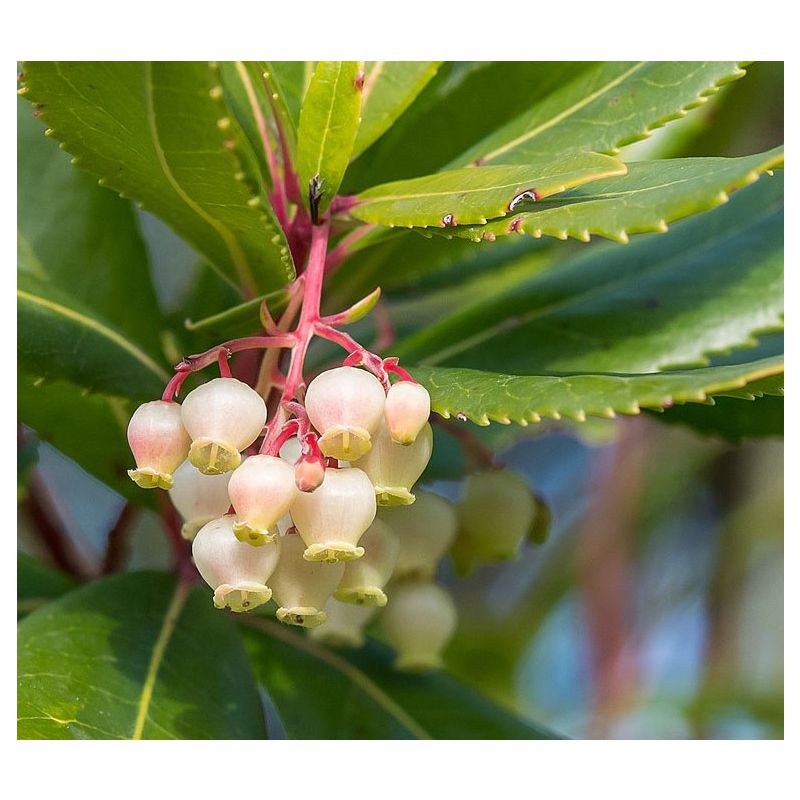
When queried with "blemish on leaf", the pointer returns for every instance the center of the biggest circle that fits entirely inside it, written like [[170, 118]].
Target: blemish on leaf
[[528, 194], [449, 219], [359, 81]]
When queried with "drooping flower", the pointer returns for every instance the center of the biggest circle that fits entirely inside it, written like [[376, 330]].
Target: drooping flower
[[407, 409], [223, 417], [345, 405], [300, 587], [198, 498], [364, 579], [419, 622], [332, 519], [159, 443], [262, 491], [425, 532], [395, 468], [237, 572], [345, 624]]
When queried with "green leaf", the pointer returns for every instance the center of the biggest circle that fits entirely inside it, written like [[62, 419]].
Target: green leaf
[[389, 89], [95, 437], [37, 584], [322, 694], [664, 300], [328, 126], [242, 319], [82, 238], [160, 133], [464, 102], [652, 194], [289, 80], [484, 397], [135, 656], [611, 105], [57, 337], [467, 196]]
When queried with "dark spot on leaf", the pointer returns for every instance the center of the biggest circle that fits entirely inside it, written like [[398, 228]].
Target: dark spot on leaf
[[449, 219], [359, 81], [528, 194], [614, 101]]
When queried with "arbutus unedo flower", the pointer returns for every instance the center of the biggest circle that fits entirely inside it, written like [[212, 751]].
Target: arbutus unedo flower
[[495, 515], [223, 417], [344, 625], [198, 498], [332, 519], [300, 587], [261, 490], [364, 580], [407, 409], [419, 621], [237, 572], [345, 405], [425, 531], [395, 468], [159, 443]]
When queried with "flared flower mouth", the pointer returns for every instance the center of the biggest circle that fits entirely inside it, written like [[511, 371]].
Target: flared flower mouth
[[362, 596], [242, 596], [147, 478], [304, 616], [418, 662], [331, 552], [253, 535], [393, 496], [212, 457], [345, 442]]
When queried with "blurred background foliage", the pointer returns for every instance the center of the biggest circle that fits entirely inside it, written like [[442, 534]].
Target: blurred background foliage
[[654, 609]]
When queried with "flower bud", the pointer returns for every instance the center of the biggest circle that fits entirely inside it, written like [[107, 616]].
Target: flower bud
[[237, 572], [345, 624], [425, 532], [495, 515], [301, 588], [198, 498], [332, 519], [364, 579], [395, 468], [345, 405], [419, 623], [407, 408], [262, 491], [309, 474], [223, 417], [159, 443]]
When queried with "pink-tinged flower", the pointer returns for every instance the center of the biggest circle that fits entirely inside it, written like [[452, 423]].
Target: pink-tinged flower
[[345, 405], [198, 498], [395, 468], [223, 417], [364, 580], [262, 491], [301, 588], [332, 519], [345, 624], [419, 621], [159, 443], [495, 515], [309, 474], [407, 409], [425, 532], [237, 572]]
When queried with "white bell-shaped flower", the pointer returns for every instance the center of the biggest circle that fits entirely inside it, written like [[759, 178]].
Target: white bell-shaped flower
[[223, 417], [262, 491], [291, 450], [332, 519], [425, 532], [198, 498], [364, 579], [345, 624], [395, 468], [407, 409], [237, 572], [345, 405], [495, 515], [419, 622], [301, 588], [159, 443]]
